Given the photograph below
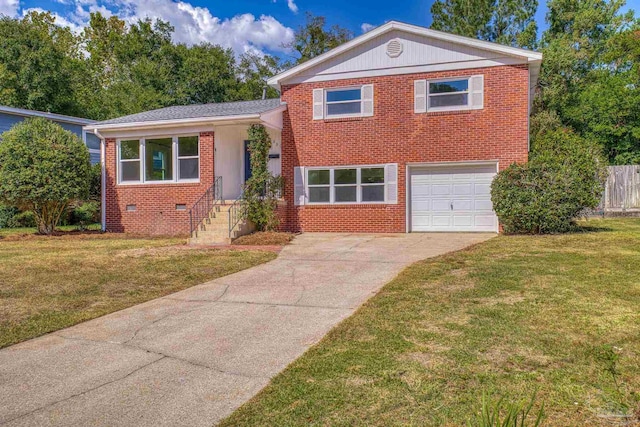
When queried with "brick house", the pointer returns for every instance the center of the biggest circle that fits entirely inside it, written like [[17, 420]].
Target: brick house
[[401, 129]]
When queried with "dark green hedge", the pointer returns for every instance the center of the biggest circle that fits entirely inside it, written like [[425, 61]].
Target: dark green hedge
[[565, 175]]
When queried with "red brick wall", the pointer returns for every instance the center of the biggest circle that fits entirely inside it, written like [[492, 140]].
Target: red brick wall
[[395, 134], [155, 203]]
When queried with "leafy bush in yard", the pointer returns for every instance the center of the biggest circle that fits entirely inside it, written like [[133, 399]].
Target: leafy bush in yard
[[85, 214], [11, 217], [7, 213], [43, 169], [565, 175], [24, 219]]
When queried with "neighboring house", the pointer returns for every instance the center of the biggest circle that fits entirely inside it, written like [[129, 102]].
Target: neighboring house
[[9, 116], [401, 129]]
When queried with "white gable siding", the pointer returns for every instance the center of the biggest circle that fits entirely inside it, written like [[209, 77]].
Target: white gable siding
[[418, 52]]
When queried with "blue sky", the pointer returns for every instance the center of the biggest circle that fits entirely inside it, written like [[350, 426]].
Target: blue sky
[[259, 25]]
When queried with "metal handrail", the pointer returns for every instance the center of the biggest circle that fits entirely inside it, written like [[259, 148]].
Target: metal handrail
[[203, 206], [237, 213], [238, 209]]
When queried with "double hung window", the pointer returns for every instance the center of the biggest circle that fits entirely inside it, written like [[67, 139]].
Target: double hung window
[[447, 94]]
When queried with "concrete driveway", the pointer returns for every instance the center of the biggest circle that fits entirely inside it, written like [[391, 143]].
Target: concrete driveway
[[193, 357]]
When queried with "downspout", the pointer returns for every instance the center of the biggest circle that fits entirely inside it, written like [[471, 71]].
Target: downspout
[[530, 99], [103, 181]]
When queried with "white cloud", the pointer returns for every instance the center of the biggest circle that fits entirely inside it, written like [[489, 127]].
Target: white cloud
[[9, 7], [365, 27], [293, 7], [193, 24]]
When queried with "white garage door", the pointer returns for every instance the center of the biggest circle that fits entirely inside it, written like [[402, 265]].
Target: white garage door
[[452, 199]]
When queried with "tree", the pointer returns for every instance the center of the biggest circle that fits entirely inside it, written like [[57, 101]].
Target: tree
[[590, 75], [37, 63], [43, 169], [262, 189], [253, 72], [206, 73], [314, 38], [509, 22], [133, 67], [115, 68]]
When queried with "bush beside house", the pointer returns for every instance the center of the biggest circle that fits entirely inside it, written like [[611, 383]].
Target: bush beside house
[[565, 175], [262, 189], [44, 169]]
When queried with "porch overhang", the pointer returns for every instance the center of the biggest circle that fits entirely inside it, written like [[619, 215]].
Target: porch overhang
[[271, 119]]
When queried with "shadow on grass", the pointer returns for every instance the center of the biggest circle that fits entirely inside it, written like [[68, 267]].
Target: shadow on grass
[[34, 234], [590, 229], [576, 229]]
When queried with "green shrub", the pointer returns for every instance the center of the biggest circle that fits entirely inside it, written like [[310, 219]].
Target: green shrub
[[43, 169], [7, 213], [565, 175], [85, 214], [11, 217], [23, 220], [95, 186]]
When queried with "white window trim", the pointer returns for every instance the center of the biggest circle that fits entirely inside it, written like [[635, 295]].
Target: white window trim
[[342, 116], [452, 107], [332, 184], [142, 160], [177, 156]]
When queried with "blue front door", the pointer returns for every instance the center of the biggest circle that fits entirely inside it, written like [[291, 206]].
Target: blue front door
[[247, 162]]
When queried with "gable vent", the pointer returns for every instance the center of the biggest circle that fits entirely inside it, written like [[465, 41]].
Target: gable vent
[[394, 48]]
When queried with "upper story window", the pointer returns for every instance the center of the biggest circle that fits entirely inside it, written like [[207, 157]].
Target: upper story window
[[452, 93], [449, 94], [158, 160], [343, 102]]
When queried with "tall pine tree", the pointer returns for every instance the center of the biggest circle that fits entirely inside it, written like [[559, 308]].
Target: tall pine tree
[[509, 22]]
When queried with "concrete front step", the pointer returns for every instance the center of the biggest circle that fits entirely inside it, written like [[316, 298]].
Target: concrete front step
[[214, 229]]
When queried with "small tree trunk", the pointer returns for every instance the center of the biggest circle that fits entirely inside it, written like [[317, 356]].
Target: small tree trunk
[[48, 216]]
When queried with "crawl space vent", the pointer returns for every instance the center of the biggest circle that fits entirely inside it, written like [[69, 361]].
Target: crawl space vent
[[394, 48]]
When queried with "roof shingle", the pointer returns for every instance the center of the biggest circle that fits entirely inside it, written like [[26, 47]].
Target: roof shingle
[[177, 112]]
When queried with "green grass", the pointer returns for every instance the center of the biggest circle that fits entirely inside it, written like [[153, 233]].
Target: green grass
[[48, 283], [556, 315]]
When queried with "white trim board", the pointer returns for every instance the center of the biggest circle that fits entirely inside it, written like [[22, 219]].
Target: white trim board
[[157, 132]]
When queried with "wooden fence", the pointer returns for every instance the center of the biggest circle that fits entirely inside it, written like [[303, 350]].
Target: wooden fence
[[622, 191]]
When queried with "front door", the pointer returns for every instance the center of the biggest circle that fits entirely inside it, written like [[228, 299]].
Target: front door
[[247, 162]]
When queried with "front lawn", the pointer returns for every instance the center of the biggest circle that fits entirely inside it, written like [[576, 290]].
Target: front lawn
[[48, 283], [559, 315]]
